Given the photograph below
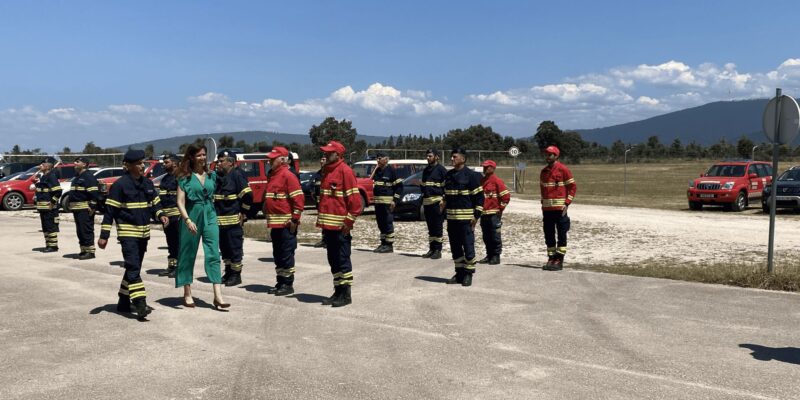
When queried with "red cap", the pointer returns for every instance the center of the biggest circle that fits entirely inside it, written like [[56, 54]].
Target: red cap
[[333, 146], [278, 151], [552, 150], [489, 163]]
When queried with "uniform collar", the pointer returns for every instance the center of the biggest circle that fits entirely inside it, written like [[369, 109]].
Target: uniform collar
[[331, 167]]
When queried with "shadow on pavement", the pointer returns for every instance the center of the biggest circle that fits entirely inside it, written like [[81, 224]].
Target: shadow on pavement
[[434, 279], [177, 303], [73, 256], [309, 298], [266, 259], [155, 271], [534, 266], [111, 308], [256, 288], [39, 249], [163, 248], [789, 355], [410, 255], [117, 263]]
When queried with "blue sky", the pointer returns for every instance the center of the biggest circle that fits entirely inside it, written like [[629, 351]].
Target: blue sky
[[120, 72]]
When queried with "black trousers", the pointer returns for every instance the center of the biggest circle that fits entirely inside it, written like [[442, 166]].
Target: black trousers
[[462, 245], [554, 223], [434, 218], [490, 226], [284, 244], [84, 224], [385, 220], [173, 240], [338, 246], [49, 220], [133, 253], [231, 239]]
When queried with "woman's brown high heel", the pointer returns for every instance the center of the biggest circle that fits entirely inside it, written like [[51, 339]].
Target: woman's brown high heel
[[218, 305], [187, 304]]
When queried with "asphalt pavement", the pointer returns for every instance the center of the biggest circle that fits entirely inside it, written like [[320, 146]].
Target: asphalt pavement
[[517, 333]]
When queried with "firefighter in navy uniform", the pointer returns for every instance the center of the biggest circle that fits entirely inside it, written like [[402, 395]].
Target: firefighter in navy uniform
[[558, 190], [496, 197], [317, 183], [387, 189], [83, 196], [463, 203], [283, 206], [48, 193], [232, 201], [131, 204], [432, 195], [168, 192]]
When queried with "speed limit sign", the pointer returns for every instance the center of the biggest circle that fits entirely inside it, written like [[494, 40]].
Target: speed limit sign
[[513, 151]]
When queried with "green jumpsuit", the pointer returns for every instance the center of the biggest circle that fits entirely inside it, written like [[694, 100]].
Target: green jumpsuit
[[200, 207]]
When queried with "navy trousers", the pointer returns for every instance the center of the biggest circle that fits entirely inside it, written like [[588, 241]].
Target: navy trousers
[[338, 246], [462, 245], [284, 244], [434, 218]]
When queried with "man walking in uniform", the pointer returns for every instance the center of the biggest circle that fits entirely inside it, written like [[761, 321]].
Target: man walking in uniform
[[387, 189], [232, 200], [132, 201], [432, 195], [496, 197], [83, 196], [283, 206], [48, 193], [463, 202], [558, 190], [168, 193], [339, 205]]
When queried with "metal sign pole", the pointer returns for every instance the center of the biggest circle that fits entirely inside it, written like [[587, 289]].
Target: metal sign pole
[[773, 191]]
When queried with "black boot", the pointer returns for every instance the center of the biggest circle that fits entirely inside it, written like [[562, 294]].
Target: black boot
[[428, 254], [140, 307], [86, 256], [344, 298], [124, 304], [235, 278], [494, 260], [284, 290], [379, 249], [274, 289], [169, 271], [467, 281], [437, 254], [227, 273], [50, 249], [484, 260], [337, 292], [458, 278], [385, 248], [320, 244]]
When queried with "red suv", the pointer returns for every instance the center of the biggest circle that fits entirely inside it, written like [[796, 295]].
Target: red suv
[[731, 184]]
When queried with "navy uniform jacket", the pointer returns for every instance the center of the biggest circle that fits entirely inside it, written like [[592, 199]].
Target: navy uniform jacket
[[84, 193], [48, 191], [232, 196], [463, 195], [387, 187], [131, 204], [168, 192], [433, 184]]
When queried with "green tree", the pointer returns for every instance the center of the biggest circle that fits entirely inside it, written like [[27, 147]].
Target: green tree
[[676, 149], [226, 142], [149, 151], [66, 150], [331, 129], [571, 144], [744, 147]]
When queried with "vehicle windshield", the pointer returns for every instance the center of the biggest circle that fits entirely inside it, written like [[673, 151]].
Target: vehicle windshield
[[726, 170], [790, 175], [11, 177], [413, 179], [363, 170], [306, 176]]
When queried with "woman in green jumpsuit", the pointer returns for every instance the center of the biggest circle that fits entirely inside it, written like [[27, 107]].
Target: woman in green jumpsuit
[[196, 205]]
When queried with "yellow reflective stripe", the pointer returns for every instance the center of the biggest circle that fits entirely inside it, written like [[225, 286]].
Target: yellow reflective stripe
[[553, 202], [225, 197], [278, 218], [351, 191], [381, 183], [227, 219], [398, 180], [504, 192], [244, 192], [336, 193], [476, 190], [296, 193], [570, 181], [570, 197], [156, 201], [246, 207], [559, 183], [133, 228], [276, 195], [162, 192], [382, 199], [113, 203], [79, 205], [105, 227], [434, 184], [457, 192], [431, 200], [171, 211]]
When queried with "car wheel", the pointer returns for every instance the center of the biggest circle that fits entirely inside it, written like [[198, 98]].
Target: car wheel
[[65, 203], [695, 205], [740, 203], [421, 213], [13, 201]]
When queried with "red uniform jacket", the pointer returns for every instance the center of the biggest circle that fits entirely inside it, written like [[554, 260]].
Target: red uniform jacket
[[339, 199], [284, 199], [558, 187], [495, 193]]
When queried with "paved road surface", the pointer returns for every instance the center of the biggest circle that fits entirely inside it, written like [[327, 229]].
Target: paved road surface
[[517, 333]]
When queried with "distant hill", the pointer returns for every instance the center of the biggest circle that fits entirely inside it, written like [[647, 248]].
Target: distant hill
[[172, 144], [705, 124]]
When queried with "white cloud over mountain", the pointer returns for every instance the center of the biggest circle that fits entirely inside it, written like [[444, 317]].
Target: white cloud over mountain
[[621, 94]]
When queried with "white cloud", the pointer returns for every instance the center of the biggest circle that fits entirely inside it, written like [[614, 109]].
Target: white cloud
[[669, 73]]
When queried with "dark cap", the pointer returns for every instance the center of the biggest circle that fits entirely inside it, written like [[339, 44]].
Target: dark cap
[[381, 154], [49, 160], [459, 150], [226, 154], [82, 159], [172, 156], [432, 151], [133, 156]]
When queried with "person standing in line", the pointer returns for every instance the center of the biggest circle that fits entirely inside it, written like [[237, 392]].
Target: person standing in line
[[496, 197], [48, 193], [463, 202], [83, 196], [168, 192], [558, 190], [340, 204], [283, 206], [196, 187], [432, 195], [317, 182], [387, 189], [232, 200], [131, 203]]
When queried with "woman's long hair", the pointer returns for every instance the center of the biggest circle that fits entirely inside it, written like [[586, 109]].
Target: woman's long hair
[[186, 167]]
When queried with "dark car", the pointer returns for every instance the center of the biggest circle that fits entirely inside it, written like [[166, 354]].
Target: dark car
[[410, 204], [13, 168], [307, 180], [788, 189]]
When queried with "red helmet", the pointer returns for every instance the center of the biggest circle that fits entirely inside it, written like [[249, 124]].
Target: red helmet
[[552, 150]]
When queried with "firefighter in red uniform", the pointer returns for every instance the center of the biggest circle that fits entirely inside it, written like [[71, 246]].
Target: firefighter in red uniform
[[339, 205], [558, 190], [496, 197], [283, 205]]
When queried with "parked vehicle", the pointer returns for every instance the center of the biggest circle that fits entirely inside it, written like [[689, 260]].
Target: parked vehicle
[[7, 169], [307, 182], [732, 184], [16, 193], [410, 204], [103, 176], [363, 171], [788, 191]]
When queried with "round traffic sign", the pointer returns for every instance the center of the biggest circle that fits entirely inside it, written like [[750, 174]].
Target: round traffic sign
[[513, 151], [789, 120]]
